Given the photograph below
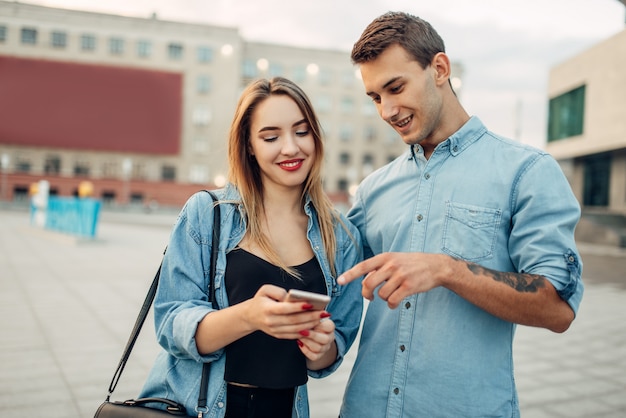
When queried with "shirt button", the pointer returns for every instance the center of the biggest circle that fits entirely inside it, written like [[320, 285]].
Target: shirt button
[[427, 176], [396, 391], [407, 305], [402, 348], [571, 258], [420, 217], [220, 404], [455, 149]]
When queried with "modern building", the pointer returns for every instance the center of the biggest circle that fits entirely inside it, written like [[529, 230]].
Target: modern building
[[141, 107], [587, 134]]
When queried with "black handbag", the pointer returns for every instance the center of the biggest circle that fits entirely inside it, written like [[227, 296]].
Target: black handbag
[[136, 408]]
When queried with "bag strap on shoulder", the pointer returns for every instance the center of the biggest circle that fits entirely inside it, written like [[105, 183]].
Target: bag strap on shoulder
[[145, 307]]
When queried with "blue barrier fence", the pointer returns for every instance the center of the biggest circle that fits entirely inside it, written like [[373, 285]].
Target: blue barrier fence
[[72, 215]]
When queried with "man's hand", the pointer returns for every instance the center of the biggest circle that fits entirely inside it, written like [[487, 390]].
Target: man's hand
[[400, 274]]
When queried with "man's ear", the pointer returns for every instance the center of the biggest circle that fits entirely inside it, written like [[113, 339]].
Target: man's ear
[[441, 64]]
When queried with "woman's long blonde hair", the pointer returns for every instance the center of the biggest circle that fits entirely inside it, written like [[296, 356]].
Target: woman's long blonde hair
[[244, 171]]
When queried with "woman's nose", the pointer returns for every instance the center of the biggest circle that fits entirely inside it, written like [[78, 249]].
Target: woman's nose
[[290, 145]]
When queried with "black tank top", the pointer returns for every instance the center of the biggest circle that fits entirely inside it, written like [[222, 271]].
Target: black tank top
[[259, 359]]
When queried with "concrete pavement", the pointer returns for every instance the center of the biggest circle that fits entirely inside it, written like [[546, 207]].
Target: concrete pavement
[[67, 307]]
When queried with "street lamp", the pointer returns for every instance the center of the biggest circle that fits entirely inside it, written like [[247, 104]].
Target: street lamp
[[127, 168], [4, 163]]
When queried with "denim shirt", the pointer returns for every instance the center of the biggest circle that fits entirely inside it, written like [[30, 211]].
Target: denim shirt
[[481, 198], [182, 300]]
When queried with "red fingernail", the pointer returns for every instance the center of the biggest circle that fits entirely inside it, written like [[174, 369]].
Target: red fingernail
[[324, 315], [300, 343], [304, 332], [307, 306]]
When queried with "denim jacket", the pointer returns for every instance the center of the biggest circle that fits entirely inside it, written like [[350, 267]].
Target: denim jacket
[[182, 300], [480, 198]]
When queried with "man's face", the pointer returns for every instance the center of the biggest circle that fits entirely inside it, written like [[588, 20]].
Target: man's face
[[405, 94]]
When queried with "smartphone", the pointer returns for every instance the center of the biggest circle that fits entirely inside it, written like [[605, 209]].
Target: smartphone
[[318, 300]]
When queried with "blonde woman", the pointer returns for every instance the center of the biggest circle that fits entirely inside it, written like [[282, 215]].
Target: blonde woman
[[278, 231]]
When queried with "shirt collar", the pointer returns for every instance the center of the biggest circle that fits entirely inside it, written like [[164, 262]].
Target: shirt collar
[[458, 141], [465, 136]]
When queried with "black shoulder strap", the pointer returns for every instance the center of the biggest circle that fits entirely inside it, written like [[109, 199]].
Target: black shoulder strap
[[215, 243], [214, 246]]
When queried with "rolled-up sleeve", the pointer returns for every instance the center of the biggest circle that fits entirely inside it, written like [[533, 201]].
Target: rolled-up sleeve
[[542, 238]]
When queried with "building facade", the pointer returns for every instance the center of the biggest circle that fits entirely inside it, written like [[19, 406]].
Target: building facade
[[587, 124], [141, 107]]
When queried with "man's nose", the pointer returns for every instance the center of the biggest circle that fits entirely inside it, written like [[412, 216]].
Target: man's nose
[[388, 110]]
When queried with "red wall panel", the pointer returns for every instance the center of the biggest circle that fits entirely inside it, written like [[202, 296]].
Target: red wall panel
[[89, 107]]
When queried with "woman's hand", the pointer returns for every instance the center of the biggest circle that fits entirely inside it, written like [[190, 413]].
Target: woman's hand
[[285, 320], [265, 312], [318, 345]]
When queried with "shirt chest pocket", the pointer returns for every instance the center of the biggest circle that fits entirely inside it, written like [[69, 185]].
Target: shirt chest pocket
[[469, 232]]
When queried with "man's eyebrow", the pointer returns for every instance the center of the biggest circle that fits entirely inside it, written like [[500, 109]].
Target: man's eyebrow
[[393, 80]]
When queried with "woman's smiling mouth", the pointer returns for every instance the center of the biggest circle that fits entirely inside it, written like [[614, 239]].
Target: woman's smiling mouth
[[291, 165]]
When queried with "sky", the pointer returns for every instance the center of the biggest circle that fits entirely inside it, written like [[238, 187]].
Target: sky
[[506, 47]]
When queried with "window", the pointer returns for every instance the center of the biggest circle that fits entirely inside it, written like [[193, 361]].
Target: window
[[23, 166], [144, 49], [20, 193], [29, 36], [139, 171], [276, 70], [109, 170], [345, 133], [175, 51], [58, 39], [347, 105], [566, 114], [88, 42], [323, 103], [199, 174], [203, 84], [204, 54], [348, 78], [325, 77], [249, 69], [200, 145], [136, 198], [368, 165], [108, 197], [81, 169], [344, 158], [3, 33], [370, 134], [52, 165], [597, 180], [201, 116], [369, 109], [116, 46], [168, 173], [342, 185], [299, 74]]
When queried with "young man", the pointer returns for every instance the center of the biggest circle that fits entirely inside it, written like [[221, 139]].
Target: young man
[[466, 235]]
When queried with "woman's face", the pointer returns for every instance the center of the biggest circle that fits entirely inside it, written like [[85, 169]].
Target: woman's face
[[282, 142]]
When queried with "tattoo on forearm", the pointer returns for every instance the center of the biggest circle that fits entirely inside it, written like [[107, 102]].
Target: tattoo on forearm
[[522, 282]]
